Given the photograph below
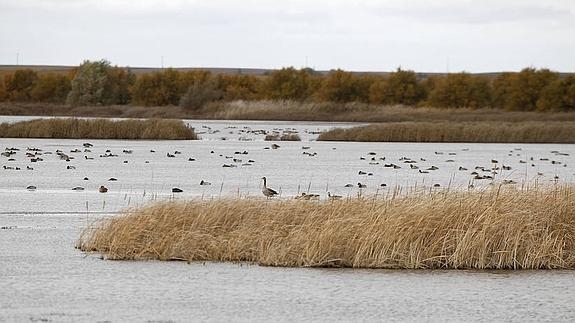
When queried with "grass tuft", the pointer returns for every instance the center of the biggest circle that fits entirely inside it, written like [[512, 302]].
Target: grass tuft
[[492, 229]]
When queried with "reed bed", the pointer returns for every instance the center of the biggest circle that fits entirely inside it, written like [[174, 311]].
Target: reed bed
[[489, 229], [500, 132], [287, 110], [98, 129]]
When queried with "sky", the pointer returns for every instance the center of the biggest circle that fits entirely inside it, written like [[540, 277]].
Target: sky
[[363, 35]]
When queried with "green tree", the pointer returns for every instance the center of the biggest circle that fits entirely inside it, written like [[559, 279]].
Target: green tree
[[19, 85], [90, 83]]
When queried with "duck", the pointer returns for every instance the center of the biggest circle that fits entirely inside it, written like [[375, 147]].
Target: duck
[[103, 189]]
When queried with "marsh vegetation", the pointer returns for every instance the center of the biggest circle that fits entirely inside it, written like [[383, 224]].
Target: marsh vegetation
[[98, 129], [500, 132], [497, 228]]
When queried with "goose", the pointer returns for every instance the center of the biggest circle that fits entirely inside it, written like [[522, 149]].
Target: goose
[[268, 192], [333, 197], [360, 185]]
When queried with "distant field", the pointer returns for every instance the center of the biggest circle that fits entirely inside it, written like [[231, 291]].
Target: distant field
[[216, 70]]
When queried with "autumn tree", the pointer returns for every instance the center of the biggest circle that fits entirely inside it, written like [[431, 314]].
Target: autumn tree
[[51, 87], [161, 88], [522, 90], [239, 87], [341, 86], [460, 90], [201, 92], [559, 95], [19, 85], [400, 87], [289, 84]]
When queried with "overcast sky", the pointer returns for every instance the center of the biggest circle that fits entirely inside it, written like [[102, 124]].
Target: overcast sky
[[368, 35]]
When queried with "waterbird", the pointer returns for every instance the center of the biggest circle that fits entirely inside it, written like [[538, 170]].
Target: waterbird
[[30, 187], [333, 197], [103, 189], [177, 190], [78, 188], [268, 192], [204, 183], [360, 185]]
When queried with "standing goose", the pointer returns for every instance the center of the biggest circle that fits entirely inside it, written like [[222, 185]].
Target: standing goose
[[268, 192]]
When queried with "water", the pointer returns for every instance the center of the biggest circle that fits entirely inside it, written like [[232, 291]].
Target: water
[[43, 278]]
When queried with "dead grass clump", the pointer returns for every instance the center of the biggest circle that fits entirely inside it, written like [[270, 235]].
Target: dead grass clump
[[504, 132], [493, 229], [98, 129]]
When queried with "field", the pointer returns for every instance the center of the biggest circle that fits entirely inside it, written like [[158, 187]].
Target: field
[[497, 228]]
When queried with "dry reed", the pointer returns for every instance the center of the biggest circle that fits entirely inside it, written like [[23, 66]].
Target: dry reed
[[505, 132], [287, 110], [98, 129], [492, 229]]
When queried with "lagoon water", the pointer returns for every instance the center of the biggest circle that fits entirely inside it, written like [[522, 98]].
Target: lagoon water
[[43, 278]]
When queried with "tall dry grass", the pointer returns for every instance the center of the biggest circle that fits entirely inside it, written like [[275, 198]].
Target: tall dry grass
[[287, 110], [98, 129], [493, 229], [505, 132]]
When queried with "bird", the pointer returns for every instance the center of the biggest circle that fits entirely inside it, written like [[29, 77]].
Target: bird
[[103, 189], [177, 190], [360, 185], [333, 197], [202, 182], [268, 192]]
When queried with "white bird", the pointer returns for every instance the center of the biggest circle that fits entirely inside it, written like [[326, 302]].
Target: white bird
[[268, 192]]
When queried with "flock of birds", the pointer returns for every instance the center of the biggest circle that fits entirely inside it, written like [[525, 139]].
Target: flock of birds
[[373, 161]]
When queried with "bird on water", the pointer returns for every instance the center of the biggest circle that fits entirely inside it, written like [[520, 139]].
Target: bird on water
[[268, 192]]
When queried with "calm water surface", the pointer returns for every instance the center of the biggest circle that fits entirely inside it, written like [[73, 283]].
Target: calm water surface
[[43, 278]]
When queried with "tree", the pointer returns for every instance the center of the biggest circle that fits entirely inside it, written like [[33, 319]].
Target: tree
[[559, 95], [341, 86], [460, 90], [522, 90], [51, 87], [200, 93], [289, 84], [90, 83], [400, 87], [20, 84], [118, 87], [239, 87], [159, 88]]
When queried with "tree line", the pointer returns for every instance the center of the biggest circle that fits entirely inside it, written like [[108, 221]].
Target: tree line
[[100, 83]]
